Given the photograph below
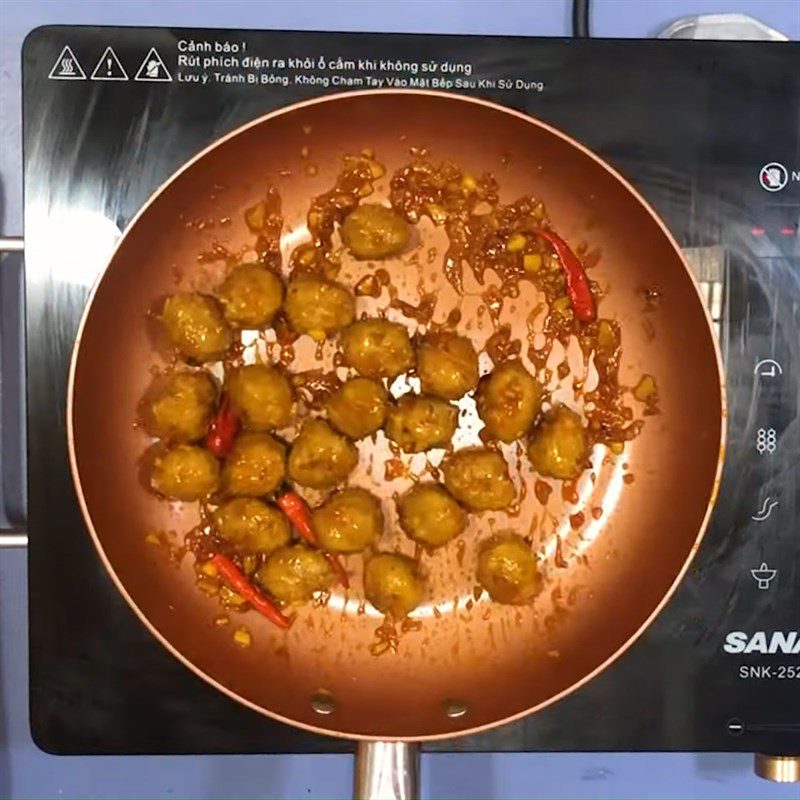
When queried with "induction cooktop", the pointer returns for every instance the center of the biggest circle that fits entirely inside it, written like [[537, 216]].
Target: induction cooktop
[[708, 132]]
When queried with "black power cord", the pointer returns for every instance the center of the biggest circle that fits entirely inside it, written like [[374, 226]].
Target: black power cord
[[580, 19]]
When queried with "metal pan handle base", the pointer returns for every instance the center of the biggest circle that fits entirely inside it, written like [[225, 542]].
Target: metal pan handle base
[[386, 771]]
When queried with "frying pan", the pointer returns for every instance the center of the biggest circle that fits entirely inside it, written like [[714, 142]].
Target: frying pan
[[471, 665]]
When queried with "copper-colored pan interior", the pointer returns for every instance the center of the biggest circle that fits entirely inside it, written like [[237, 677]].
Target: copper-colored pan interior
[[498, 662]]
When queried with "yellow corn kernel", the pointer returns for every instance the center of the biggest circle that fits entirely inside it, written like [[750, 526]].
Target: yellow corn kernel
[[242, 637], [532, 262], [210, 569], [209, 587], [152, 538], [468, 182], [516, 242], [616, 448], [606, 336], [317, 334], [256, 216], [377, 170]]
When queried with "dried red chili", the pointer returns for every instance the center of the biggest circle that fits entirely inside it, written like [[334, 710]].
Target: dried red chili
[[578, 291], [223, 428]]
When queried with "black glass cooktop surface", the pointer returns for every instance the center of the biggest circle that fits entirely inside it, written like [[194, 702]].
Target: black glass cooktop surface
[[708, 132]]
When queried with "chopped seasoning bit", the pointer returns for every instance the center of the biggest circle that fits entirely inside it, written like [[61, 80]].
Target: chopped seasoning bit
[[221, 621], [516, 243], [242, 637], [532, 262], [152, 538], [210, 569], [304, 152]]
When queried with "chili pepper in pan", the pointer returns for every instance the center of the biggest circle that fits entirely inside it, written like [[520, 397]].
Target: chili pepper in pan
[[223, 428], [241, 585], [298, 513], [580, 295]]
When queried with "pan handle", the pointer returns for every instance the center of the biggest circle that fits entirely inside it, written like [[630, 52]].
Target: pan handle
[[11, 532], [386, 771]]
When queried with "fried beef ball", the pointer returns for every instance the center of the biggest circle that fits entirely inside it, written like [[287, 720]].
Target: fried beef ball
[[251, 296], [358, 407], [558, 447], [447, 365], [374, 231], [393, 584], [252, 526], [181, 405], [478, 478], [507, 569], [509, 400], [318, 306], [255, 466], [196, 327], [185, 472], [320, 457], [262, 395], [292, 574], [418, 423], [349, 521], [430, 515], [377, 348]]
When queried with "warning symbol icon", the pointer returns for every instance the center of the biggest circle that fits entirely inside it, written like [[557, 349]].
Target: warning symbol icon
[[109, 68], [66, 67], [153, 68]]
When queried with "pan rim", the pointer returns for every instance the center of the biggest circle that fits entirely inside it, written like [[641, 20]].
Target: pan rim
[[168, 645]]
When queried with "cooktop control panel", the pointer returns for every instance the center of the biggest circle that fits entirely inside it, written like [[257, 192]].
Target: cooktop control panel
[[709, 133]]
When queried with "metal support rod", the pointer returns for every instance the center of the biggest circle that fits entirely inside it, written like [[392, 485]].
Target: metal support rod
[[386, 771], [11, 244], [13, 538]]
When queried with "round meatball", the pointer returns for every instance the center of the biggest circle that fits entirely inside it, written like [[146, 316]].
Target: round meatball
[[377, 348], [292, 574], [358, 407], [262, 395], [558, 446], [349, 521], [318, 306], [181, 405], [251, 296], [393, 584], [374, 231], [320, 457], [417, 423], [509, 400], [185, 472], [196, 327], [479, 479], [447, 365], [507, 569], [256, 465], [251, 525], [430, 515]]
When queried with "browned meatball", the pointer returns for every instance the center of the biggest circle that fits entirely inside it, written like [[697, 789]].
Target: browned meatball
[[262, 395], [181, 405], [430, 515], [251, 296], [318, 306], [509, 400], [393, 584], [255, 466], [320, 457], [447, 365], [479, 479], [196, 327], [251, 525], [292, 574], [358, 407], [377, 348], [185, 472], [558, 446], [349, 521], [419, 423], [374, 231], [507, 569]]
